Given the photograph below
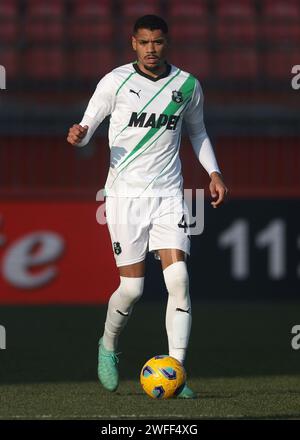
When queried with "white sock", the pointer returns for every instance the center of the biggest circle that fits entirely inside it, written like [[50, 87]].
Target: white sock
[[177, 353], [120, 308], [178, 313]]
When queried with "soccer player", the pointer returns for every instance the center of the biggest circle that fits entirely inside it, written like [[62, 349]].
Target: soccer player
[[147, 101]]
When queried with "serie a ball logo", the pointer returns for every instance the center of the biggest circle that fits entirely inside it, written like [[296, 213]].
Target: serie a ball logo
[[162, 377]]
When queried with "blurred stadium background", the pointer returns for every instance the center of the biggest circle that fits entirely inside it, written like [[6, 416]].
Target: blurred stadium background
[[57, 261]]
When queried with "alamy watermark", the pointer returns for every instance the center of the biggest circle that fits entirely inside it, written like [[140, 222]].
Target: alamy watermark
[[2, 338], [295, 342], [2, 78], [185, 211], [296, 79]]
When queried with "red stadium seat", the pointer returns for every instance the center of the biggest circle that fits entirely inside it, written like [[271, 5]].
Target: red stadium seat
[[235, 8], [8, 9], [44, 20], [281, 8], [10, 60], [90, 30], [8, 21], [44, 63], [197, 62], [127, 56], [280, 32], [8, 30], [92, 8], [237, 64], [45, 8], [238, 31], [192, 9], [278, 64], [87, 63], [43, 29], [127, 31], [137, 8], [193, 32]]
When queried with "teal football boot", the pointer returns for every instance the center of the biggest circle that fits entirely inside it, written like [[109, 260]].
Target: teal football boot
[[107, 367], [186, 393]]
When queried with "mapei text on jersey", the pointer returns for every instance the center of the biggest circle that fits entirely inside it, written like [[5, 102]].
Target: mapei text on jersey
[[145, 120]]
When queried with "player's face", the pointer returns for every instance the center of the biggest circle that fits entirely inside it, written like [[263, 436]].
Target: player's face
[[151, 48]]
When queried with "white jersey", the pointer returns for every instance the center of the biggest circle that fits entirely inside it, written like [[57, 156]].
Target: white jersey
[[146, 116]]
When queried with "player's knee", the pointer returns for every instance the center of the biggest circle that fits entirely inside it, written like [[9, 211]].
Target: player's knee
[[131, 289], [177, 283]]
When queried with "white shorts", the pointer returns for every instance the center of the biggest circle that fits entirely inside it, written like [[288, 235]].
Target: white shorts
[[138, 225]]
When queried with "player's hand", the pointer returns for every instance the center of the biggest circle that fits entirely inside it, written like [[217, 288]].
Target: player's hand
[[217, 189], [76, 134]]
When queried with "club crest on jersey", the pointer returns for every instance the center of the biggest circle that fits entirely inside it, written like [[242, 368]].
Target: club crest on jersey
[[177, 96], [117, 247]]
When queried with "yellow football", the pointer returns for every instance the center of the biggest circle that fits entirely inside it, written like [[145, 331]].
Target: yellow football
[[162, 377]]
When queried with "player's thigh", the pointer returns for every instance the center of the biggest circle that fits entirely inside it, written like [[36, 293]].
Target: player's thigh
[[170, 256], [136, 270], [169, 236], [128, 231]]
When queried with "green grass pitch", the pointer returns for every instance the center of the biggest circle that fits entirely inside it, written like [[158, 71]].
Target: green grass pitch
[[240, 363]]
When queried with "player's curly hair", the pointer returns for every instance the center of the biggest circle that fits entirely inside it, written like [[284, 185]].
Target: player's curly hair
[[151, 22]]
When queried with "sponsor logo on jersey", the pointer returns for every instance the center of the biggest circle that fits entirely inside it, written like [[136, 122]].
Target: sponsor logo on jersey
[[153, 121], [136, 93], [177, 96]]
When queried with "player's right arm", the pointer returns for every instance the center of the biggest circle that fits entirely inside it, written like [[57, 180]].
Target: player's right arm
[[101, 104], [76, 134]]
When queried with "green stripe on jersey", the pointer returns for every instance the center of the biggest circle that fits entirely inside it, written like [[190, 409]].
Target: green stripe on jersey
[[186, 89], [161, 171], [154, 140], [124, 82], [160, 90], [146, 105], [137, 155]]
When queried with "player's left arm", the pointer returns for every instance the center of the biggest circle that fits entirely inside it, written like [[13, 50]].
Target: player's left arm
[[202, 146], [218, 189]]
